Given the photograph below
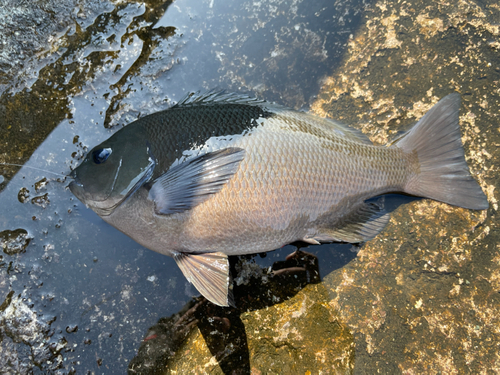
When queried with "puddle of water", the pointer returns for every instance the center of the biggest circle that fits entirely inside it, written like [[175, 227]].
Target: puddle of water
[[95, 291]]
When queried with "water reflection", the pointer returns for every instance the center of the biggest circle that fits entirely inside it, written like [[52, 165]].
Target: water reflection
[[85, 292], [222, 328]]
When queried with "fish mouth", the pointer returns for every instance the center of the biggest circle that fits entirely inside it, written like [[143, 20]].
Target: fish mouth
[[77, 189], [101, 207]]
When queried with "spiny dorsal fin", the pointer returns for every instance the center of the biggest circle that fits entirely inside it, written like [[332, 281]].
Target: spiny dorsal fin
[[216, 96], [352, 133]]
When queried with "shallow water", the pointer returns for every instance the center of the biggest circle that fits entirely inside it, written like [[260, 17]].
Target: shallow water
[[95, 291], [79, 295]]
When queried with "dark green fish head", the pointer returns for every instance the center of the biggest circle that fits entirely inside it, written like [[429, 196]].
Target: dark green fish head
[[114, 170]]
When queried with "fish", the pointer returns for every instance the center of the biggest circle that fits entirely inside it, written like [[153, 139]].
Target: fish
[[221, 174]]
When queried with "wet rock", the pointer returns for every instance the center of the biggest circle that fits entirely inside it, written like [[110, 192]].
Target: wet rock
[[283, 338], [41, 200], [39, 185], [14, 241], [72, 328], [269, 332], [247, 270], [423, 296], [32, 36], [24, 335], [27, 30], [24, 195], [7, 301]]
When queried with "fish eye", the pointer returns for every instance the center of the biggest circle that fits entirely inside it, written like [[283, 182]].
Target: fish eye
[[101, 155]]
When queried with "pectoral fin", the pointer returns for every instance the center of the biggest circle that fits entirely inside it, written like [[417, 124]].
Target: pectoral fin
[[190, 183], [361, 225], [209, 273]]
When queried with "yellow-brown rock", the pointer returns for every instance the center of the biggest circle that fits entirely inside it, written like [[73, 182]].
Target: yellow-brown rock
[[299, 336], [423, 297]]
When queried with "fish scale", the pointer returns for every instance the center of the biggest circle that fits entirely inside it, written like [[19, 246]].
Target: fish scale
[[223, 174], [298, 198]]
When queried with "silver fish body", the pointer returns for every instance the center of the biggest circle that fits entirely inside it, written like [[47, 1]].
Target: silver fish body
[[221, 174]]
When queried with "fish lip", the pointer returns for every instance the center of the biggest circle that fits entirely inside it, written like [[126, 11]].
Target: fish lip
[[75, 182], [79, 192], [77, 189]]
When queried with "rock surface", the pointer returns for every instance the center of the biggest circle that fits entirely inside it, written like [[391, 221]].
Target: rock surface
[[423, 297], [302, 335], [270, 331]]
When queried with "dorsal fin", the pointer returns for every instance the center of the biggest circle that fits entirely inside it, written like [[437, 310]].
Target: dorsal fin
[[352, 133], [216, 96]]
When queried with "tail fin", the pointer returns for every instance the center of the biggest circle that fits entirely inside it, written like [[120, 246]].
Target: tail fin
[[443, 173]]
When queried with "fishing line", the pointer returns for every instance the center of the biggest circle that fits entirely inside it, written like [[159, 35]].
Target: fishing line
[[38, 169]]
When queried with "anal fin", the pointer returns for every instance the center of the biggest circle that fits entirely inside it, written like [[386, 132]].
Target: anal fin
[[209, 273], [360, 225]]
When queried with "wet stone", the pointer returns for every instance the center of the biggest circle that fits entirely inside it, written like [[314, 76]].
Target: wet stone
[[72, 328], [23, 195], [423, 296], [15, 241], [41, 200], [39, 185], [274, 329], [283, 338], [7, 301], [20, 324], [28, 30]]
